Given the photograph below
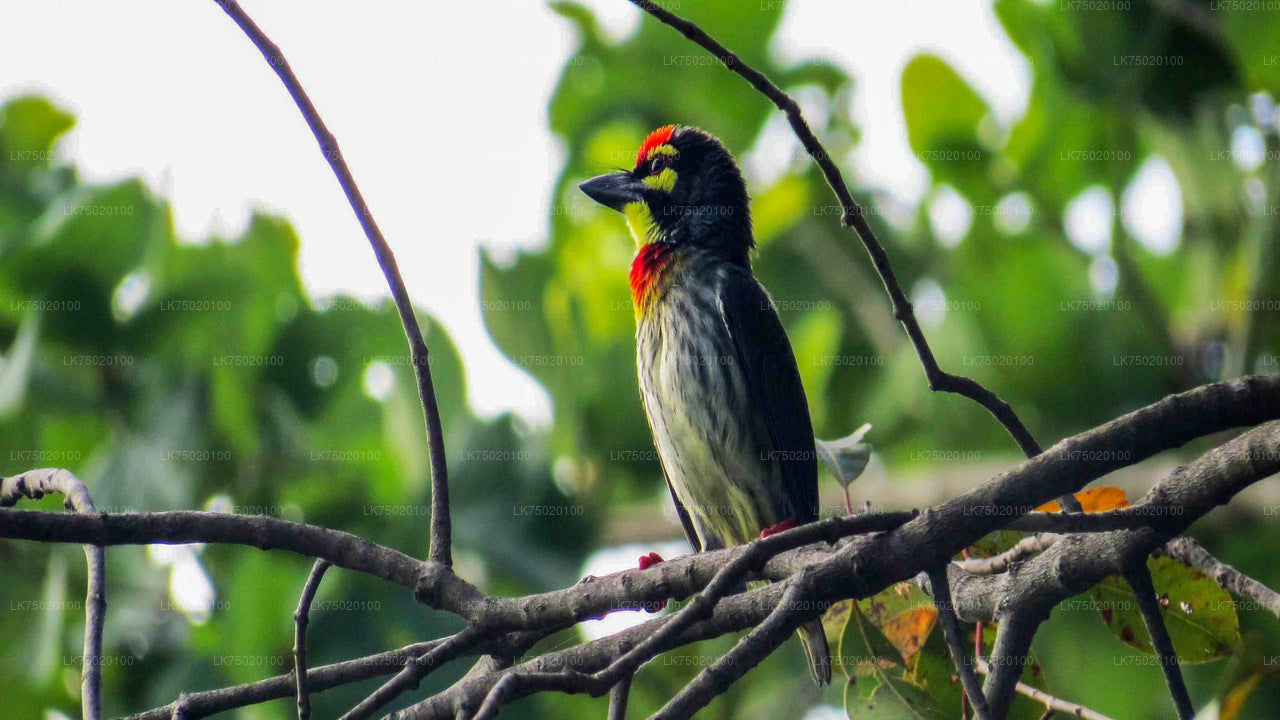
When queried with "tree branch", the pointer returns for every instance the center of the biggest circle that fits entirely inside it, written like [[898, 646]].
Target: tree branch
[[1191, 553], [791, 611], [903, 545], [1139, 579], [301, 617], [951, 633], [441, 551], [618, 699], [1051, 703], [203, 704], [1000, 563], [35, 484]]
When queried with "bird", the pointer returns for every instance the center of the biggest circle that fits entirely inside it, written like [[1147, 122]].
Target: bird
[[717, 375]]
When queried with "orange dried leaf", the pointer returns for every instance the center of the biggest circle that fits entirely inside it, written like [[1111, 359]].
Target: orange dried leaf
[[908, 631], [1095, 499]]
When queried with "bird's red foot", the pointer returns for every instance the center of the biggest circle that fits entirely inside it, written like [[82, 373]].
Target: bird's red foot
[[646, 562], [775, 529]]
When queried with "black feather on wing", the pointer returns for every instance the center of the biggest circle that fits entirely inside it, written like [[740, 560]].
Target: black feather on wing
[[765, 354], [685, 521]]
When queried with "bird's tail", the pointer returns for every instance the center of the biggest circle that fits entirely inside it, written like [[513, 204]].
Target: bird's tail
[[814, 640]]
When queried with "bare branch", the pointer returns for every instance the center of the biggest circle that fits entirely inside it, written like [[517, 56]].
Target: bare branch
[[441, 551], [618, 699], [1139, 579], [203, 704], [35, 484], [301, 617], [414, 671], [941, 591], [999, 563], [749, 652], [1008, 656], [1189, 552], [1052, 704]]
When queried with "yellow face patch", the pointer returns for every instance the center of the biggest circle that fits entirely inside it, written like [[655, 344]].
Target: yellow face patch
[[640, 221], [660, 150], [664, 181]]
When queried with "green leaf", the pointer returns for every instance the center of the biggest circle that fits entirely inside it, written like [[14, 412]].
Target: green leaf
[[1199, 615], [938, 105], [29, 127], [879, 688], [15, 366]]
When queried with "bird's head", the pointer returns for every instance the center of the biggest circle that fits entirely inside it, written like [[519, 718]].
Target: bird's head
[[684, 189]]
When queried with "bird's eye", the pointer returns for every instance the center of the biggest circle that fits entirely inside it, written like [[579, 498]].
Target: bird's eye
[[658, 164]]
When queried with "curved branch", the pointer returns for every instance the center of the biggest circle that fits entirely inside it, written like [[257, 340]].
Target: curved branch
[[35, 484], [301, 617], [441, 542], [260, 531]]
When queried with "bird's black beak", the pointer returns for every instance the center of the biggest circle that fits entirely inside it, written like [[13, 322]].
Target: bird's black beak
[[614, 190]]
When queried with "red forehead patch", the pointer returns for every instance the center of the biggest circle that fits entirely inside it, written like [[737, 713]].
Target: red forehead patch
[[656, 138]]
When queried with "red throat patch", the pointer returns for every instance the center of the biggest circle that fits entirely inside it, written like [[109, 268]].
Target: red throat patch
[[646, 268], [655, 138]]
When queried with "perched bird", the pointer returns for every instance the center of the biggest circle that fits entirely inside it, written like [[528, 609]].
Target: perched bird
[[717, 373]]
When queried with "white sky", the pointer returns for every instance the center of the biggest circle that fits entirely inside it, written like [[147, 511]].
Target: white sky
[[170, 90]]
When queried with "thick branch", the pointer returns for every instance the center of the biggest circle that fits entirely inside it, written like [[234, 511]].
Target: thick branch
[[440, 526], [870, 563]]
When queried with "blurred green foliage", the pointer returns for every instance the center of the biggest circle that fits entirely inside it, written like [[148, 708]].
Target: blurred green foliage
[[175, 375]]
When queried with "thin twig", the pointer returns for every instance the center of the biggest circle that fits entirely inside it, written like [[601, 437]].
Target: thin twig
[[1052, 703], [496, 698], [852, 216], [35, 484], [413, 672], [441, 551], [301, 617], [749, 652], [951, 633], [1191, 553], [211, 702], [1139, 579], [999, 563]]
